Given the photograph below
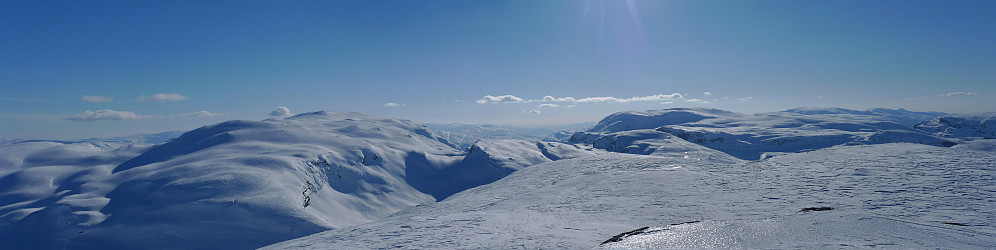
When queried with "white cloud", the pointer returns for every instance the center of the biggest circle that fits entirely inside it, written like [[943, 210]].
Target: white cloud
[[598, 99], [745, 98], [200, 114], [391, 104], [280, 112], [667, 102], [499, 99], [571, 106], [535, 112], [97, 98], [697, 101], [707, 93], [106, 114], [161, 97], [554, 99], [958, 94], [595, 99], [548, 105], [658, 97]]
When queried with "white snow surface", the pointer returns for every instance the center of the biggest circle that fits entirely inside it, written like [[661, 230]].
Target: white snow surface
[[896, 195], [240, 184]]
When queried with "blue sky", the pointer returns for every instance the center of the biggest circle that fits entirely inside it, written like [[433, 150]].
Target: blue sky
[[79, 69]]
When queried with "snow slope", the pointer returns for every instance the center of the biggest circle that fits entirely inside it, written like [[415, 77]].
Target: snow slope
[[240, 184], [887, 195]]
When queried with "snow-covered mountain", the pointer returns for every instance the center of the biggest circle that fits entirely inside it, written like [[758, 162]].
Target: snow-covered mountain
[[241, 184], [901, 116], [751, 136], [377, 182], [965, 126], [887, 195]]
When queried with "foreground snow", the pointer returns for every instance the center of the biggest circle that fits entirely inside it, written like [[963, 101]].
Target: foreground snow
[[898, 195]]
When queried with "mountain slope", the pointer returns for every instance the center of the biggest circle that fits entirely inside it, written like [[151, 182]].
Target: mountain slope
[[583, 202]]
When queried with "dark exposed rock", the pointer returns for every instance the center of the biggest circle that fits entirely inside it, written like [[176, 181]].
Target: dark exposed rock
[[811, 209]]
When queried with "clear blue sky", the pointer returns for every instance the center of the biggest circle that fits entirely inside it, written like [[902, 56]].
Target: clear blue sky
[[78, 69]]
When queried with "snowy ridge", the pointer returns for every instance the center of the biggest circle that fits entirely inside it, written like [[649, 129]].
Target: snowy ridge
[[292, 177]]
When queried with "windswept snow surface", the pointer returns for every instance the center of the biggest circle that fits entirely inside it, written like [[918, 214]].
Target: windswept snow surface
[[240, 184], [751, 136], [887, 195]]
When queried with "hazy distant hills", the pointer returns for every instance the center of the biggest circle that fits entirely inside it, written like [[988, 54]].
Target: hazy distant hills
[[750, 136], [464, 135]]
